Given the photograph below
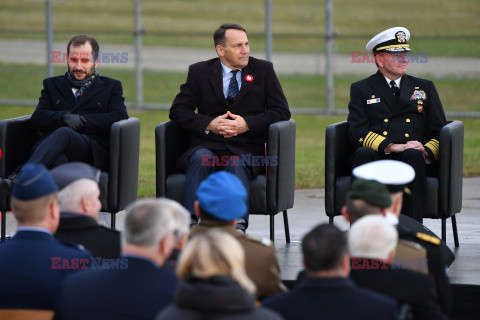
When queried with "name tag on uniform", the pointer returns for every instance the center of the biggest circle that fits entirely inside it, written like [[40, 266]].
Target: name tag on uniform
[[377, 100]]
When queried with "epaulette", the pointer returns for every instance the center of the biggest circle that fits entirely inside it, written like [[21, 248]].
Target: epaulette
[[428, 238]]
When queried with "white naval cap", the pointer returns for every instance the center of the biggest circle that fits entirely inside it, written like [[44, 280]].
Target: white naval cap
[[391, 40], [392, 173]]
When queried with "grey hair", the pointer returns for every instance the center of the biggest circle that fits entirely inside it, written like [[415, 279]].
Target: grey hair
[[147, 222], [372, 237], [181, 217], [70, 197]]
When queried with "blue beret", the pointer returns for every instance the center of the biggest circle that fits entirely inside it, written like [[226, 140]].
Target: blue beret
[[223, 196], [69, 172], [35, 181]]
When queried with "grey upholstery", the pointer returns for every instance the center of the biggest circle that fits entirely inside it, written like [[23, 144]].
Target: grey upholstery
[[118, 186], [444, 192], [270, 194]]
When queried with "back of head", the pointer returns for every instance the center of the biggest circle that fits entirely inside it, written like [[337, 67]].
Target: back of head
[[372, 237], [33, 194], [324, 248], [214, 253], [70, 197], [147, 222], [180, 216], [366, 197]]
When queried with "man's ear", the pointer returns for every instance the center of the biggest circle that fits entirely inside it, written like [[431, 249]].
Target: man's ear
[[54, 209], [220, 50], [379, 59], [345, 213], [196, 206]]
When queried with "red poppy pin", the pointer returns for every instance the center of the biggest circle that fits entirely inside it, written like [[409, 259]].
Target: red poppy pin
[[249, 78]]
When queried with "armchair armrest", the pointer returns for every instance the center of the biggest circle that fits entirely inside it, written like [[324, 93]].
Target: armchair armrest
[[337, 152], [281, 177], [16, 140], [170, 143], [124, 158], [450, 165]]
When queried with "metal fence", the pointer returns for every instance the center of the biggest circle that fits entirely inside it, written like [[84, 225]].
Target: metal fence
[[149, 44]]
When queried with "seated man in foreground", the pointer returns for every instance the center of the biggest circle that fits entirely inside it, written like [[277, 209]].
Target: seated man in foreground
[[326, 292], [32, 264], [236, 97]]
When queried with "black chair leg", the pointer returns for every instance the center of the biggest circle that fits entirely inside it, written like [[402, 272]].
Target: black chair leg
[[285, 222], [455, 233], [272, 228], [112, 220], [4, 225], [444, 230], [330, 220]]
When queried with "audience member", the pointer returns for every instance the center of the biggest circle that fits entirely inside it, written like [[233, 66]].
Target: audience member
[[372, 241], [395, 175], [214, 283], [80, 206], [134, 286], [326, 292], [33, 264], [221, 210], [181, 218]]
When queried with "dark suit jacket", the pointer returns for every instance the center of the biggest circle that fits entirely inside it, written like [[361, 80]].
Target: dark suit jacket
[[376, 118], [78, 228], [406, 286], [331, 298], [436, 267], [133, 289], [32, 269], [260, 102], [101, 105]]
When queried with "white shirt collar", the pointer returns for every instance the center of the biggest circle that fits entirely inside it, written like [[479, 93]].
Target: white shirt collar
[[396, 81]]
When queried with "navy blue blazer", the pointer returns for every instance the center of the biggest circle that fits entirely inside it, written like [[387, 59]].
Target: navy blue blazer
[[131, 289], [331, 298], [101, 104], [32, 268], [260, 102]]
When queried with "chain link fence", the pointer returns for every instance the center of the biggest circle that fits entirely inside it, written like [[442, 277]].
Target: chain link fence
[[177, 33]]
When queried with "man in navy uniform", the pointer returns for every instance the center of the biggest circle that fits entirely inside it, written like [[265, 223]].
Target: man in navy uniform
[[33, 265], [396, 116], [236, 97], [80, 207], [76, 111]]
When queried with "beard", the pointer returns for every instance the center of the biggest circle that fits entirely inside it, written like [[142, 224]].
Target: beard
[[88, 74]]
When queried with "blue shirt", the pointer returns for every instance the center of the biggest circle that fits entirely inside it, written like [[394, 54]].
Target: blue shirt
[[227, 76]]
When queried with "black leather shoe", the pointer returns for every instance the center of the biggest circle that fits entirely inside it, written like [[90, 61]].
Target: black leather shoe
[[242, 225], [6, 185]]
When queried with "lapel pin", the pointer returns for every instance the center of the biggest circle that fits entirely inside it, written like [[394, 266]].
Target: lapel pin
[[373, 96], [58, 102], [249, 78]]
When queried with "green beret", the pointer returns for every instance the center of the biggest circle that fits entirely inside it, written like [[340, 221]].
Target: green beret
[[370, 191]]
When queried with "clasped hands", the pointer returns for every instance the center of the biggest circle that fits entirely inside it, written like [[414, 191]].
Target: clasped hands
[[228, 125], [73, 121], [396, 148]]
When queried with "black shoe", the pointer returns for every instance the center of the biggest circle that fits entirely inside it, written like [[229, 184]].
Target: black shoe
[[6, 185], [242, 225]]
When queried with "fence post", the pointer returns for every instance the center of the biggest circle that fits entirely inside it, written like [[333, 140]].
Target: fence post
[[329, 42], [268, 29], [49, 25], [138, 34]]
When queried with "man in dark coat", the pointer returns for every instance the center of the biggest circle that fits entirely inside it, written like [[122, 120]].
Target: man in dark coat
[[326, 292], [220, 210], [80, 206], [396, 116], [135, 286], [371, 243], [33, 265], [236, 97]]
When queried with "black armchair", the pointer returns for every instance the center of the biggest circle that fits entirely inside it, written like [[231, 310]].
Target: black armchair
[[270, 193], [118, 186], [444, 192]]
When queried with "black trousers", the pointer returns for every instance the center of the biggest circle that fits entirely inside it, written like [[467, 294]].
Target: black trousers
[[413, 205], [62, 146]]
